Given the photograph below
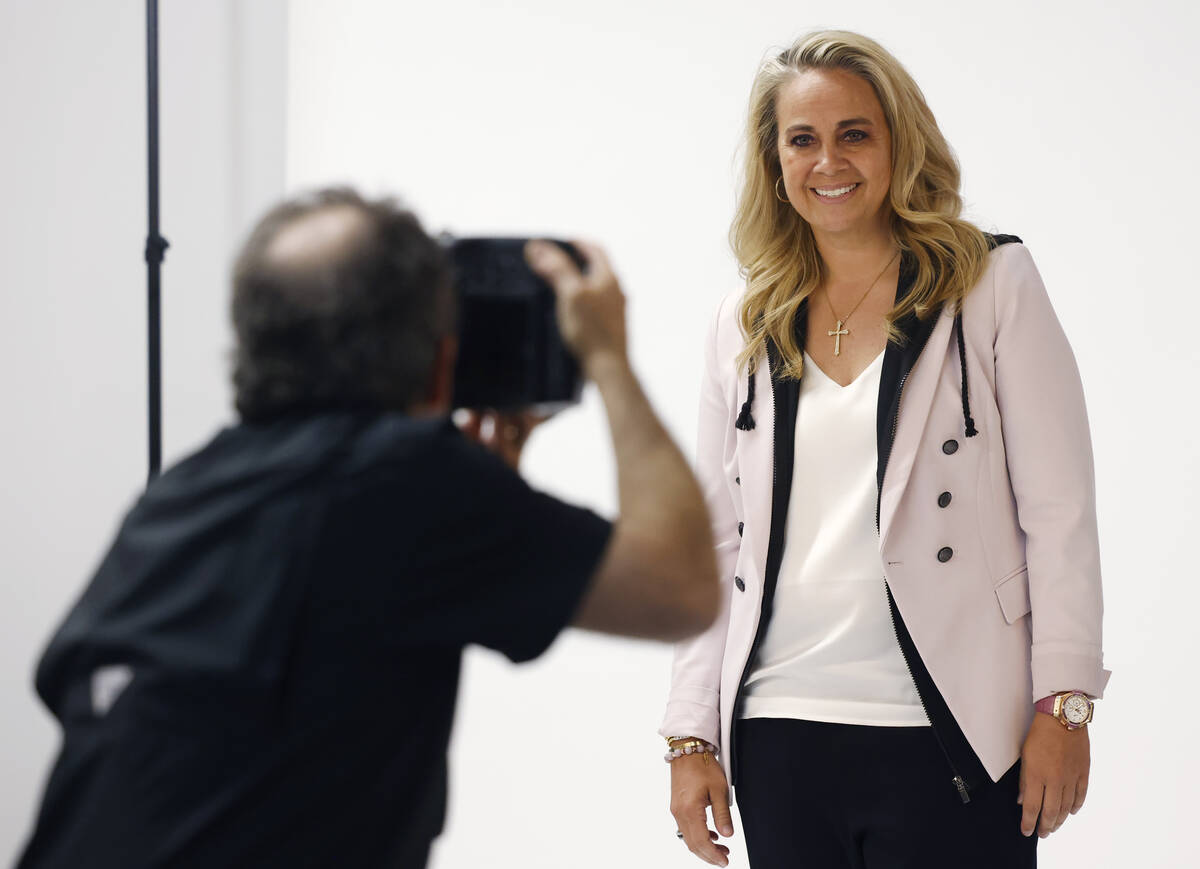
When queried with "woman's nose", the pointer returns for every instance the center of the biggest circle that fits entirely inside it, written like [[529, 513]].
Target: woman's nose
[[829, 159]]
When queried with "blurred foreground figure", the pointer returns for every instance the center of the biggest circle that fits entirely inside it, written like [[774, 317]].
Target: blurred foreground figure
[[263, 670]]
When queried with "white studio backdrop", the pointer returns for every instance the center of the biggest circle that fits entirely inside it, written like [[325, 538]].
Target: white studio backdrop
[[1074, 124]]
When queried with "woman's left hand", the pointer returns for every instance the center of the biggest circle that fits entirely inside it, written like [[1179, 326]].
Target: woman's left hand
[[1054, 774]]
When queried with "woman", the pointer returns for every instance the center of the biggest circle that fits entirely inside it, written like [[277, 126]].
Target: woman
[[895, 453]]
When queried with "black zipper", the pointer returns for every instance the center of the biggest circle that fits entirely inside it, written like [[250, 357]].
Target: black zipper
[[959, 783]]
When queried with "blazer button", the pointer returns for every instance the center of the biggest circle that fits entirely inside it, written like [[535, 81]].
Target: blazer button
[[944, 499], [738, 480], [741, 586], [741, 526], [945, 554], [950, 447]]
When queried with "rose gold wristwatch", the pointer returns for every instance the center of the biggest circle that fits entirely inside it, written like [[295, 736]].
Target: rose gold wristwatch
[[1073, 708]]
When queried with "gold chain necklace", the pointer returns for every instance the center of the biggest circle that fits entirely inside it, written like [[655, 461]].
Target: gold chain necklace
[[837, 333]]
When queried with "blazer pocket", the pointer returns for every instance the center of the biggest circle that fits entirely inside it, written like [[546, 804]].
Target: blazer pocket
[[1012, 592]]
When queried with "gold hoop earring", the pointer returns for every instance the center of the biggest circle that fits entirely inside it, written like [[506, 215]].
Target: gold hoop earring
[[777, 194]]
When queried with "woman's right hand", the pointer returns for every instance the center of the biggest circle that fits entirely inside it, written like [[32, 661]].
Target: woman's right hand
[[697, 782]]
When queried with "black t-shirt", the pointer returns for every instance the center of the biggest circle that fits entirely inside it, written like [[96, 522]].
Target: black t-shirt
[[263, 670]]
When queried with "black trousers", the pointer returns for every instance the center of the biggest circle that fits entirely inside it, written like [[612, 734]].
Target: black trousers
[[814, 795]]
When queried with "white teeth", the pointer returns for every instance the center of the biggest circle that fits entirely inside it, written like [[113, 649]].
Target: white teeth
[[836, 191]]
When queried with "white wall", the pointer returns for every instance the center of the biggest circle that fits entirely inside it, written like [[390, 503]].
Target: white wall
[[73, 291], [1075, 125]]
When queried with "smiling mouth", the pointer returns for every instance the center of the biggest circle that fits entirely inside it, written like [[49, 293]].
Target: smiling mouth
[[835, 192]]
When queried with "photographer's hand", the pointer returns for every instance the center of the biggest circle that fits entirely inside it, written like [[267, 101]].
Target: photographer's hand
[[591, 306], [504, 433]]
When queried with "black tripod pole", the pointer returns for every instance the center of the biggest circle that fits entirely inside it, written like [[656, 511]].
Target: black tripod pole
[[156, 245]]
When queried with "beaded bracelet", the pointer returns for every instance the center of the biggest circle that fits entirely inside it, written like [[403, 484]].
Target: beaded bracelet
[[695, 747]]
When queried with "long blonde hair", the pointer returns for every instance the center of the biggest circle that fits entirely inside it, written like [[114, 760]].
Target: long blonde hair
[[775, 247]]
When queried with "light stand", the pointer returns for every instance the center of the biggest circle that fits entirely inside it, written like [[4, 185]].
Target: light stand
[[156, 246]]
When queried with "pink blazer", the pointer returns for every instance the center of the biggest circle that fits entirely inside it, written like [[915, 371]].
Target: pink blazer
[[1016, 613]]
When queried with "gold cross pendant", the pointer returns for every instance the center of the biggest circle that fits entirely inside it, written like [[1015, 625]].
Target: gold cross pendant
[[836, 335]]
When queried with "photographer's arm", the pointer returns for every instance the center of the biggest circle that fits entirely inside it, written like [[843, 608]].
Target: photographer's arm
[[657, 578]]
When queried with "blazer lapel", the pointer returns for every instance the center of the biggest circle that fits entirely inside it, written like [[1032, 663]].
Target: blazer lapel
[[916, 401], [754, 450]]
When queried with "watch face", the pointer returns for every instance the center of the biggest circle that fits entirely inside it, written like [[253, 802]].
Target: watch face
[[1076, 708]]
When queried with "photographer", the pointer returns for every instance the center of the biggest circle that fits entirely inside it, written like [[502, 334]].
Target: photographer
[[263, 670]]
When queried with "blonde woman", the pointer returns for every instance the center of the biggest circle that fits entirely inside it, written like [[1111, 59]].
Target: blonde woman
[[895, 452]]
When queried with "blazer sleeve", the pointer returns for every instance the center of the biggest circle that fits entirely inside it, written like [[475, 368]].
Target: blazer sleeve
[[1049, 453], [693, 706]]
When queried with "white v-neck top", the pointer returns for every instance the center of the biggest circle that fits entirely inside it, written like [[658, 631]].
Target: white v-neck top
[[830, 652]]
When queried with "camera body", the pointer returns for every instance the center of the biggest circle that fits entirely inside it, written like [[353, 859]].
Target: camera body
[[511, 355]]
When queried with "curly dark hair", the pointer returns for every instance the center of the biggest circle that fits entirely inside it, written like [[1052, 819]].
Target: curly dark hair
[[348, 325]]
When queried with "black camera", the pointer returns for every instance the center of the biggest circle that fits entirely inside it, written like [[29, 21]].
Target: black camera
[[511, 355]]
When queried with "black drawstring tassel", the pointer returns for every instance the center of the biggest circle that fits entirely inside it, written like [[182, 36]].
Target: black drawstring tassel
[[745, 422], [962, 358]]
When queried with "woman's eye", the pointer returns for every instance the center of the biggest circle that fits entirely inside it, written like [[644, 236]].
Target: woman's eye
[[852, 136]]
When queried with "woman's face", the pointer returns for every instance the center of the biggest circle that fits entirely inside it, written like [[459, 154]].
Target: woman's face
[[836, 153]]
